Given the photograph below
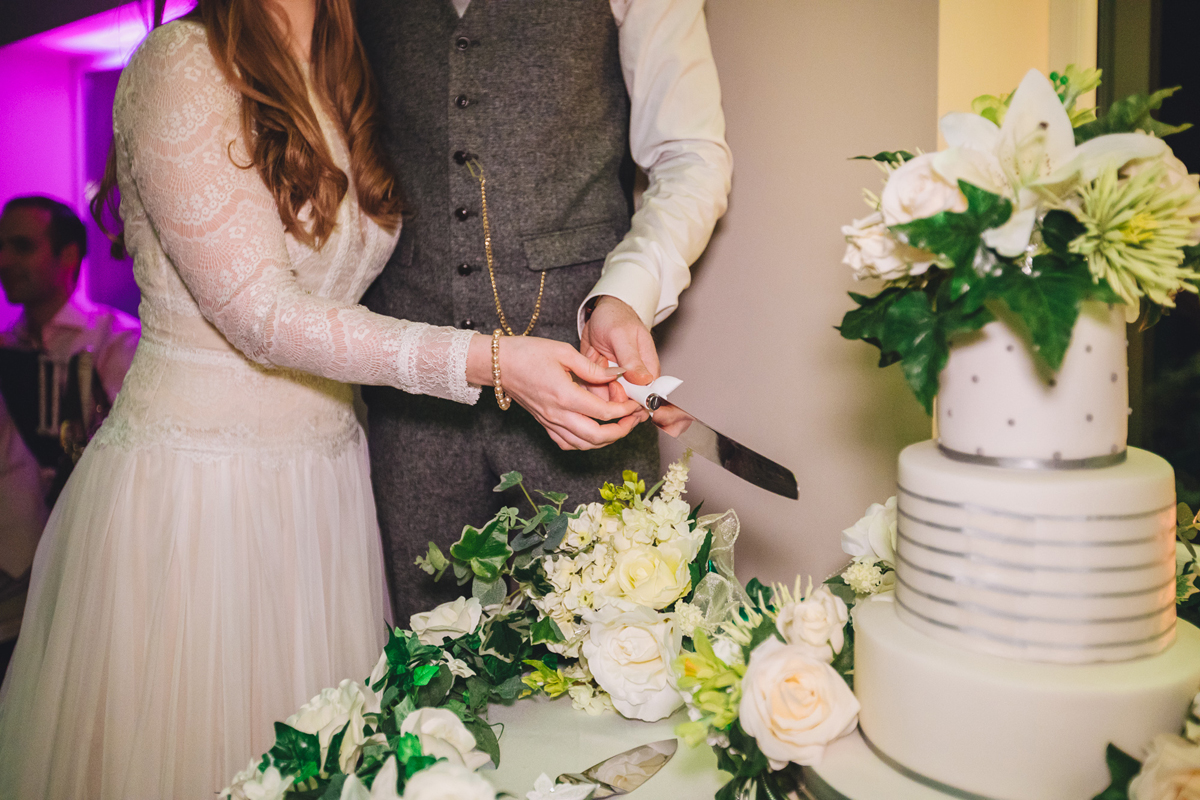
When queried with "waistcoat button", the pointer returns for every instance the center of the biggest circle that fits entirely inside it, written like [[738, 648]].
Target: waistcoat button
[[467, 324], [461, 214], [462, 101], [464, 269], [462, 43], [460, 157]]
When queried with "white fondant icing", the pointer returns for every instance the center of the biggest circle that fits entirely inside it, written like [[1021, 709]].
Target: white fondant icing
[[1069, 566], [1006, 729], [996, 401]]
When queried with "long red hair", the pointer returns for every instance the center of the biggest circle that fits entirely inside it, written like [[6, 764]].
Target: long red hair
[[279, 124]]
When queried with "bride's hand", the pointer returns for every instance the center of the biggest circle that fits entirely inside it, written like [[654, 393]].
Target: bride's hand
[[549, 379]]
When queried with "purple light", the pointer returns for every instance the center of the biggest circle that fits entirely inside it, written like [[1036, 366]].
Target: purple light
[[105, 40]]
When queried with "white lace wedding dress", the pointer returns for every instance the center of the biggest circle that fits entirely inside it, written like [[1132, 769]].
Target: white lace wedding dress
[[214, 560]]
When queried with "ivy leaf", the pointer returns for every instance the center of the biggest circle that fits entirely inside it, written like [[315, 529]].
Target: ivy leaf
[[699, 566], [1047, 302], [895, 158], [1131, 114], [432, 693], [486, 551], [502, 640], [546, 631], [485, 738], [911, 330], [524, 541], [838, 586], [1059, 229], [295, 752], [1122, 768], [957, 235], [866, 321], [488, 593], [556, 531], [541, 514], [508, 480], [558, 498], [425, 673]]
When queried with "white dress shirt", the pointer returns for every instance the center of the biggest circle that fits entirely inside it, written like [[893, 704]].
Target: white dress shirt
[[677, 136], [79, 325]]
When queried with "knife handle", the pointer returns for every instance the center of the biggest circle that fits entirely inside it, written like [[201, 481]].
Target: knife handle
[[661, 386]]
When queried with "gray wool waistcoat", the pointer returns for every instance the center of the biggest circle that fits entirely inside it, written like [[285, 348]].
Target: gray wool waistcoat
[[533, 89]]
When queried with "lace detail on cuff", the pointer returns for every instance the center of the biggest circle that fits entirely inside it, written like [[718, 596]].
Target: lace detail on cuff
[[433, 361]]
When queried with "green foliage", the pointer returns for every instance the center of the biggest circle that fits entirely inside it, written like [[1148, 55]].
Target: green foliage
[[843, 662], [956, 236], [434, 563], [894, 158], [295, 752], [546, 631], [485, 551], [1131, 114], [1122, 768], [629, 493], [508, 480], [700, 565], [760, 594], [837, 584]]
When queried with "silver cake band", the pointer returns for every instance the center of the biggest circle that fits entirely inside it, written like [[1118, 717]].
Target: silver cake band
[[1092, 462], [995, 562], [992, 587], [996, 512], [992, 612], [977, 533], [913, 775], [979, 633]]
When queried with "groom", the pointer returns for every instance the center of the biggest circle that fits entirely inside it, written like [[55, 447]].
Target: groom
[[554, 101]]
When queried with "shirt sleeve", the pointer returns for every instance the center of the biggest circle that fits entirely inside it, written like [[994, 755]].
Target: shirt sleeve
[[178, 123], [677, 135]]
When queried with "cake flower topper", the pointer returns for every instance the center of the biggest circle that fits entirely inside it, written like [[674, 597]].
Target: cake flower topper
[[1033, 208]]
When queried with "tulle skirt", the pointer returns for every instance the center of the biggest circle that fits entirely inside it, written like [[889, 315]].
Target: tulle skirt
[[179, 606]]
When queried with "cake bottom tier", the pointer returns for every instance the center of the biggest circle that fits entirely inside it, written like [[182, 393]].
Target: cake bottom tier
[[995, 728]]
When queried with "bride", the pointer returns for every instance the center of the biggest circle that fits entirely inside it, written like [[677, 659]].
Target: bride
[[215, 559]]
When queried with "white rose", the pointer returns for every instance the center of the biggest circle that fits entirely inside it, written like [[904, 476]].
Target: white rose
[[630, 654], [794, 705], [874, 536], [817, 621], [448, 781], [443, 735], [1171, 771], [637, 528], [872, 251], [384, 787], [447, 621], [915, 190], [653, 576], [585, 697], [250, 784], [335, 709]]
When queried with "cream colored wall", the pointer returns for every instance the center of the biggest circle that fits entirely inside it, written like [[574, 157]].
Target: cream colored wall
[[806, 85]]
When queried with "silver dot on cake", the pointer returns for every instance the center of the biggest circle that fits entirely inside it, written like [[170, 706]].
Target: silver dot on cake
[[1087, 349], [978, 451], [1057, 455], [1012, 422], [1089, 417], [949, 412], [1009, 348], [974, 379], [1114, 448], [1114, 377]]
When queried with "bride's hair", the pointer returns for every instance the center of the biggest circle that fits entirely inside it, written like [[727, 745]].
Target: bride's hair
[[279, 124]]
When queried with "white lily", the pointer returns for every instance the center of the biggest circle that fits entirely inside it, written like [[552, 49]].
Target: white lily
[[1032, 158]]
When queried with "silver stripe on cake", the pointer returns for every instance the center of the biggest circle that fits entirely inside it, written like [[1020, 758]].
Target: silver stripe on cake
[[1092, 462], [978, 533], [980, 633], [995, 562], [992, 612], [924, 780], [996, 512], [993, 587]]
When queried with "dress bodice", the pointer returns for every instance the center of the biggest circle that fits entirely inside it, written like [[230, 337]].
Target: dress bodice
[[249, 335]]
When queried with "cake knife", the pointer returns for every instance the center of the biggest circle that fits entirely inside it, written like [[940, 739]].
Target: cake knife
[[624, 772], [706, 442]]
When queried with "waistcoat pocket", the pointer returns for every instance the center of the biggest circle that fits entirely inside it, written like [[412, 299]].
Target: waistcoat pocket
[[566, 248]]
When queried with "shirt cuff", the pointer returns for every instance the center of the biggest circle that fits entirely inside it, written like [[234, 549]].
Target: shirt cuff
[[631, 284]]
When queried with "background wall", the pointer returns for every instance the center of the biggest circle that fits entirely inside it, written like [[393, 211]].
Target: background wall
[[806, 86]]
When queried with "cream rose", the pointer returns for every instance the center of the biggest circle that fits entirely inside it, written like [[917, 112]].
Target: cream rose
[[1171, 771], [250, 784], [443, 735], [816, 621], [335, 709], [652, 576], [872, 252], [630, 655], [915, 190], [874, 536], [793, 704], [447, 621], [448, 781], [384, 787]]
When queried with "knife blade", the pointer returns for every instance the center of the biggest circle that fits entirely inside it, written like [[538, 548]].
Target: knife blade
[[624, 772], [708, 443]]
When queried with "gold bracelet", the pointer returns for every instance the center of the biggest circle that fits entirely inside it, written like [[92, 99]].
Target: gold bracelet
[[502, 399]]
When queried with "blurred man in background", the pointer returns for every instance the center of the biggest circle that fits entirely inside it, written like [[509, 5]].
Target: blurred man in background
[[61, 364]]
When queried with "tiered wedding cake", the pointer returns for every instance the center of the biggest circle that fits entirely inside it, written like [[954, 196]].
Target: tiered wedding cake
[[1033, 621]]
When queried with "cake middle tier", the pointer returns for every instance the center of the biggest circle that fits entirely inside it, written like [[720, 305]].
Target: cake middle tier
[[1066, 566]]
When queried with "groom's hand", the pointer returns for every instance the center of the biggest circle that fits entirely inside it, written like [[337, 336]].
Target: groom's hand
[[614, 332]]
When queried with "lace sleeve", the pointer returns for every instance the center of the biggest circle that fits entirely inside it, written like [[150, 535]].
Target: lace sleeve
[[179, 125]]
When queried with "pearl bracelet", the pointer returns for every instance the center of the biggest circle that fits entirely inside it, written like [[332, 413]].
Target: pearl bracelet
[[502, 399]]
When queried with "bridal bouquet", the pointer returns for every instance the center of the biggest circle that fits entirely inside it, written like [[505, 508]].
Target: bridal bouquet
[[1033, 208]]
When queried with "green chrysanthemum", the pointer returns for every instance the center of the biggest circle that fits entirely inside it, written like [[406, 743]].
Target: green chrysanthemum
[[1135, 230]]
